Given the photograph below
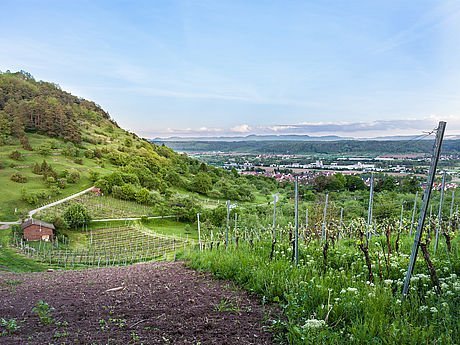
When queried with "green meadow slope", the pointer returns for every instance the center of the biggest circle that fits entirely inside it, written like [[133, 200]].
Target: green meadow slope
[[54, 144]]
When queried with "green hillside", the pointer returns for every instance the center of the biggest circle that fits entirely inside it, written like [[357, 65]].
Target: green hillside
[[53, 144]]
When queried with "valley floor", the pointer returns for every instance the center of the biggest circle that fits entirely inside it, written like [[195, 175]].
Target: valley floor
[[154, 303]]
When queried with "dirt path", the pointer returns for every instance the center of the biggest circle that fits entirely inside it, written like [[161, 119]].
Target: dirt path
[[60, 201], [156, 303]]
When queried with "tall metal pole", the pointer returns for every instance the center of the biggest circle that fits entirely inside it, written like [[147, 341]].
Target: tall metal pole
[[426, 198], [228, 224], [306, 217], [401, 218], [369, 210], [275, 199], [306, 224], [296, 234], [441, 201], [199, 231], [414, 210], [452, 205], [235, 226], [431, 217], [341, 222], [323, 227]]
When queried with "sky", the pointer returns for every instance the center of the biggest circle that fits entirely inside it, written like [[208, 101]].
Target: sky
[[231, 68]]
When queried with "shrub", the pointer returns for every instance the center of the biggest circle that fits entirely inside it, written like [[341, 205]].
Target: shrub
[[76, 215], [37, 169], [16, 155], [73, 177], [62, 183], [18, 177], [44, 149], [93, 175]]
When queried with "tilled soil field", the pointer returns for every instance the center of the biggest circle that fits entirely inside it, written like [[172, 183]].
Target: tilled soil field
[[155, 303]]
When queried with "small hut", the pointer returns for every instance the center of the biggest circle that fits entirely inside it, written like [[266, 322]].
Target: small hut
[[37, 230]]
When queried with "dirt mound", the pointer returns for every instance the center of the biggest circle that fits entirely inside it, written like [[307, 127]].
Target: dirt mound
[[156, 303]]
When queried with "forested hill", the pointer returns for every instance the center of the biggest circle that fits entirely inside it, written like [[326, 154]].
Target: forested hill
[[53, 144], [27, 105], [364, 147]]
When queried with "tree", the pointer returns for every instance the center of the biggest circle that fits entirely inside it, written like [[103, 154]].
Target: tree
[[37, 169], [76, 215], [409, 184], [386, 182], [354, 182], [201, 183]]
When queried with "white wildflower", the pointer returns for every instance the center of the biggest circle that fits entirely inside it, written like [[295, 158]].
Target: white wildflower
[[314, 324], [352, 289]]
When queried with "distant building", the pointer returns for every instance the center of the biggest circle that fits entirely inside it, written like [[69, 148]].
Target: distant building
[[37, 230], [96, 191]]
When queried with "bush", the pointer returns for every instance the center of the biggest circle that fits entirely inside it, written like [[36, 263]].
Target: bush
[[44, 149], [18, 177], [37, 169], [62, 183], [16, 155], [50, 180], [94, 175], [76, 215], [73, 177]]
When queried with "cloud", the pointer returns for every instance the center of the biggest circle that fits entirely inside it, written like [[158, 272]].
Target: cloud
[[352, 127], [241, 129], [349, 129]]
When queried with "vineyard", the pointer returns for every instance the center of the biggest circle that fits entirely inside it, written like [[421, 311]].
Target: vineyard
[[343, 283], [105, 247], [102, 207]]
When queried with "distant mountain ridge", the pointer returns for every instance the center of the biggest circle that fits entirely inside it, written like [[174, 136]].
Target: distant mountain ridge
[[360, 147], [257, 137], [290, 137]]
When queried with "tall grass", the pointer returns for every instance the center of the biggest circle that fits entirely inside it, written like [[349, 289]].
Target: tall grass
[[335, 303]]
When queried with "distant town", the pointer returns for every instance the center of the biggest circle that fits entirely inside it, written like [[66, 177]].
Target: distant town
[[284, 167]]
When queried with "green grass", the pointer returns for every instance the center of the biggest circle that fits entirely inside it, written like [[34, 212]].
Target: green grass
[[170, 227], [10, 198], [334, 304], [11, 260], [100, 207], [78, 244]]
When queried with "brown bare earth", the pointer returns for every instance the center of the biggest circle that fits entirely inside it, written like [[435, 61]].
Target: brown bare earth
[[155, 303]]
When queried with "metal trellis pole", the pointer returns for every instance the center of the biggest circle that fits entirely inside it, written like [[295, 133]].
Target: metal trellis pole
[[296, 234], [199, 231], [228, 224], [426, 198], [414, 210], [441, 201], [370, 207], [323, 228], [275, 199]]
